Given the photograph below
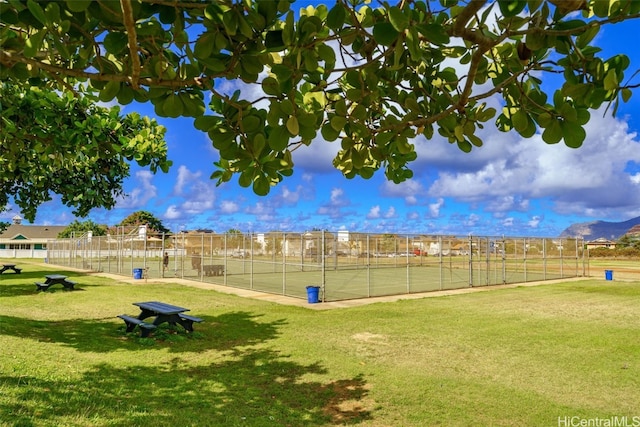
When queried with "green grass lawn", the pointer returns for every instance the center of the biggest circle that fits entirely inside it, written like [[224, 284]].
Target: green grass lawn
[[525, 356]]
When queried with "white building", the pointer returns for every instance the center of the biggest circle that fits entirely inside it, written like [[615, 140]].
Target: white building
[[27, 241]]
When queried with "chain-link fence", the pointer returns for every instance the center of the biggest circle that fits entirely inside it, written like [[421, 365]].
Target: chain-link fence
[[344, 265]]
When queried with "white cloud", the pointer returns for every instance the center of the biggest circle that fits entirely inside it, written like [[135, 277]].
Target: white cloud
[[192, 195], [229, 207], [141, 194], [185, 176], [172, 213], [534, 221], [589, 179], [316, 157], [262, 211], [412, 191], [472, 220], [391, 212], [508, 222], [374, 212], [434, 208]]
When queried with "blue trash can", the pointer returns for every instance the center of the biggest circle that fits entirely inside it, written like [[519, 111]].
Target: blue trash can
[[608, 274], [313, 293], [137, 273]]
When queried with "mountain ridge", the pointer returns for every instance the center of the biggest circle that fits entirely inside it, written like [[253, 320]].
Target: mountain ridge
[[596, 229]]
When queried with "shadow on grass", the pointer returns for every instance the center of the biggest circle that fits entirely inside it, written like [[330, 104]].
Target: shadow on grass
[[24, 283], [252, 388], [223, 332]]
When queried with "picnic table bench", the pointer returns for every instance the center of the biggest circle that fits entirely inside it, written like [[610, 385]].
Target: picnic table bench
[[132, 322], [7, 267], [55, 279], [213, 270], [162, 312]]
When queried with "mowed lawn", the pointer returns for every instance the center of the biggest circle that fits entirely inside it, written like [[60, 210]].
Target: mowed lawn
[[526, 356]]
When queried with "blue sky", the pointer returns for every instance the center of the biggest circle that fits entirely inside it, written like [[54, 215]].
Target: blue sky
[[510, 186]]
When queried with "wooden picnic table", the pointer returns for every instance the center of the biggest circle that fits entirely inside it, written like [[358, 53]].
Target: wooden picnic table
[[55, 279], [7, 267], [162, 312]]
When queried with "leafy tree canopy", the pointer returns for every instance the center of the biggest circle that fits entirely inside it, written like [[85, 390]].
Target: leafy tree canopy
[[77, 228], [154, 225], [371, 75], [55, 142]]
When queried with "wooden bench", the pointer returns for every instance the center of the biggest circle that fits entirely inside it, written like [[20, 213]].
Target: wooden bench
[[132, 322], [69, 284], [42, 286], [187, 321], [213, 270]]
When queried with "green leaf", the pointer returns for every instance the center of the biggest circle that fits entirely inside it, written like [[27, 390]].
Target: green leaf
[[52, 12], [273, 41], [583, 116], [465, 146], [458, 131], [435, 33], [287, 107], [251, 123], [384, 33], [206, 123], [336, 17], [573, 133], [230, 22], [398, 19], [173, 106], [611, 80], [585, 38], [329, 133], [78, 5], [278, 138], [292, 125], [32, 44], [338, 123], [109, 91], [246, 178], [271, 86], [510, 8], [520, 121], [535, 40], [626, 94], [553, 133], [204, 46], [261, 186], [601, 8], [37, 11], [544, 119], [115, 42]]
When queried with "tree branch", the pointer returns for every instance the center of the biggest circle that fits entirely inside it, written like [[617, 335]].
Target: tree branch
[[6, 59], [129, 24]]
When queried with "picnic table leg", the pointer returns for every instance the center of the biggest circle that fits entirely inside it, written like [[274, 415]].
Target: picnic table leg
[[169, 318], [186, 324], [145, 313]]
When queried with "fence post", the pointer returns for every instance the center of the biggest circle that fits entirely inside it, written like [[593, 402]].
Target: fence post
[[323, 266], [470, 260]]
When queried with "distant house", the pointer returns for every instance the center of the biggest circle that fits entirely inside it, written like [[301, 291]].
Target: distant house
[[601, 243], [27, 241]]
